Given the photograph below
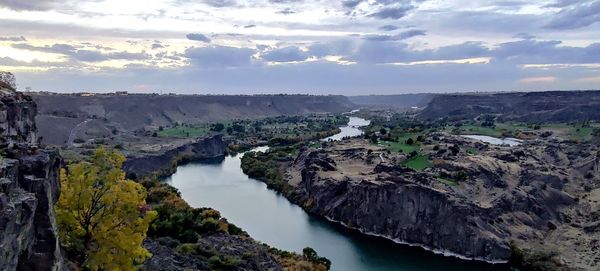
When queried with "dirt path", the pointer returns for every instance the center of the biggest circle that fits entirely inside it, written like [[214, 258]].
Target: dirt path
[[74, 131]]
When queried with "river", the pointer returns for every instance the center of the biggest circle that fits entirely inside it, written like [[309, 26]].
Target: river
[[270, 218]]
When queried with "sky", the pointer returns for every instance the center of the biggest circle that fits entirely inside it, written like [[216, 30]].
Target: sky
[[350, 47]]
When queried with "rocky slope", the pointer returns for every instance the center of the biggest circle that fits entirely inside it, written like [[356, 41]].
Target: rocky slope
[[61, 115], [399, 102], [480, 203], [29, 187], [529, 107]]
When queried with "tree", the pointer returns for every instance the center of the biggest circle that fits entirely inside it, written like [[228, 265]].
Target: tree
[[311, 255], [218, 127], [102, 217], [410, 141], [9, 79]]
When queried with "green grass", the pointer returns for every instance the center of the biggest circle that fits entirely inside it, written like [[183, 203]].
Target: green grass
[[185, 131], [418, 163], [399, 146], [497, 131]]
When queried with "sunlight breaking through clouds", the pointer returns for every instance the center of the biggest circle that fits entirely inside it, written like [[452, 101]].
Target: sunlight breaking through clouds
[[317, 39]]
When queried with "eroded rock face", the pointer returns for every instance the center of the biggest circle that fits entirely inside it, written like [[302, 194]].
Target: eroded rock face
[[29, 187], [519, 195], [403, 210], [165, 162]]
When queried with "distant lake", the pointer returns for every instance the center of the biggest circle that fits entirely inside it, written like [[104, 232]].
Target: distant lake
[[270, 218], [496, 141]]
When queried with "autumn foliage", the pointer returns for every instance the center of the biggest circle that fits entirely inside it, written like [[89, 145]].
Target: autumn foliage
[[102, 217]]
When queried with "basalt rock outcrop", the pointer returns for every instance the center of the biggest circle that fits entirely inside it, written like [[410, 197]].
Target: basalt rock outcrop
[[164, 162], [29, 187], [541, 196]]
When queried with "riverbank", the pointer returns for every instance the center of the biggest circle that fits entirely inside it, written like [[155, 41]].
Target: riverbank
[[271, 218], [468, 203]]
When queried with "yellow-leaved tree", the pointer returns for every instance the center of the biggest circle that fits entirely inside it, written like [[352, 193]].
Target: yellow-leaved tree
[[102, 217]]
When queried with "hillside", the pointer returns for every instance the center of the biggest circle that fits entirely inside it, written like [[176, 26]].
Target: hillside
[[401, 101], [62, 115], [553, 106]]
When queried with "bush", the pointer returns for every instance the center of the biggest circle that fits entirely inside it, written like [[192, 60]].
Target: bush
[[224, 262]]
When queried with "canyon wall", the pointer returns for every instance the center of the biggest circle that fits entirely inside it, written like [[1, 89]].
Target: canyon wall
[[29, 187]]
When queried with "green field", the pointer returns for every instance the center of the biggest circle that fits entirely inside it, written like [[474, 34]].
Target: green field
[[420, 162], [185, 131], [399, 146], [497, 131]]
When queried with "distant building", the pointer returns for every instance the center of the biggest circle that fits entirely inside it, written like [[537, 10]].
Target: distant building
[[122, 93], [87, 94]]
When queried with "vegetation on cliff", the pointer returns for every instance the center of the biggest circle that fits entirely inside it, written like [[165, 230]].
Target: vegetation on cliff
[[265, 166], [102, 217], [198, 231]]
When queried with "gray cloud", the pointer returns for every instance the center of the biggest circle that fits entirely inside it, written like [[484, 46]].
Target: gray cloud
[[338, 48], [578, 15], [20, 38], [220, 3], [219, 56], [28, 5], [524, 36], [351, 3], [391, 12], [286, 54], [198, 37], [388, 27], [287, 11]]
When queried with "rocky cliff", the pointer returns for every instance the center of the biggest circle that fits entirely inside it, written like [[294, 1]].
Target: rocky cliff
[[164, 163], [542, 197], [560, 106], [29, 187]]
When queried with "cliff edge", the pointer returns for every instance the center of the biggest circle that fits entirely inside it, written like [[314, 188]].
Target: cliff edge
[[29, 187]]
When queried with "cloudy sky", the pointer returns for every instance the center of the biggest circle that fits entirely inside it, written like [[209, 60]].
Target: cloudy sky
[[301, 46]]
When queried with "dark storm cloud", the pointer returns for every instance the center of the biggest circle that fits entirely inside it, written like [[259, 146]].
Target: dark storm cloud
[[577, 15], [219, 56], [198, 37], [286, 54]]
